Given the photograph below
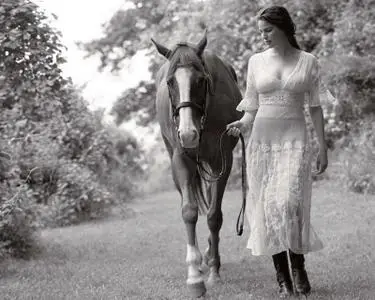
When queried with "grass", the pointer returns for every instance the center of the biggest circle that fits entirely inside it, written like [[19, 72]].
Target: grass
[[143, 255]]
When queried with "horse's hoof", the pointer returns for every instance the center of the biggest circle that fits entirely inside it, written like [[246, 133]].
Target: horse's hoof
[[197, 289], [214, 279], [203, 268], [302, 295]]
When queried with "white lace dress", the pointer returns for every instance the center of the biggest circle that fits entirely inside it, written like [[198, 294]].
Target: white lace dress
[[279, 157]]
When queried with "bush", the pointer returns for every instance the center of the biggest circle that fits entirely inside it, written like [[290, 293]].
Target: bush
[[348, 65], [65, 167], [159, 171], [18, 224], [358, 158], [78, 197]]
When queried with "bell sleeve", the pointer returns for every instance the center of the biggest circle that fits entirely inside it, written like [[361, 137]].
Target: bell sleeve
[[250, 100], [318, 93]]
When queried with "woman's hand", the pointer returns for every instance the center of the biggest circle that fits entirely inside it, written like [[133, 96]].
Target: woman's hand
[[322, 161], [236, 127]]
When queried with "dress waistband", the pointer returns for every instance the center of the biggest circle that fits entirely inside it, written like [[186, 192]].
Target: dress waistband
[[282, 98]]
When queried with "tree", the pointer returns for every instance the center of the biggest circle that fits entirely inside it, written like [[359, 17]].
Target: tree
[[58, 163], [232, 34], [334, 31]]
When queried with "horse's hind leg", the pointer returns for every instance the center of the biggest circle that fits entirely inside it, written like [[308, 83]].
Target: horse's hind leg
[[182, 172]]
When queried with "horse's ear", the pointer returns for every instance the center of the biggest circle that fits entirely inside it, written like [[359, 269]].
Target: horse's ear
[[202, 44], [161, 49]]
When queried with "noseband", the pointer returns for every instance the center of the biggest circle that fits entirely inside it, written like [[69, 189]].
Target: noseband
[[199, 108]]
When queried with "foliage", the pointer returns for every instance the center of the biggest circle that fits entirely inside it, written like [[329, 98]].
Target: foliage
[[17, 222], [29, 58], [59, 164], [358, 159], [232, 35], [158, 168], [136, 103], [29, 54], [348, 56], [339, 33]]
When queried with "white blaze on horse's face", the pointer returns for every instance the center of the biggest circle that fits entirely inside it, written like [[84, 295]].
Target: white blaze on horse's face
[[187, 129]]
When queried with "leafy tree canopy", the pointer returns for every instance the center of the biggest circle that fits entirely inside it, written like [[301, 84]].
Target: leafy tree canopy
[[335, 31]]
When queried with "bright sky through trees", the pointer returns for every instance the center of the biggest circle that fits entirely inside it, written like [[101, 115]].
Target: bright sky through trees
[[81, 20]]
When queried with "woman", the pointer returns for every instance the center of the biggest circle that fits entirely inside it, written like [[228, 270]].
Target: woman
[[280, 81]]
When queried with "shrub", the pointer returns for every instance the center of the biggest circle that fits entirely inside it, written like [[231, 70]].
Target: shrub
[[358, 158], [124, 169], [62, 157], [79, 197], [17, 215], [158, 170]]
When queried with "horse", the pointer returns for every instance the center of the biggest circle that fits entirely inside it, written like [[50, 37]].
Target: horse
[[196, 97]]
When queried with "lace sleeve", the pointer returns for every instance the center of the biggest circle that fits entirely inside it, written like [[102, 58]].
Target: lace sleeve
[[250, 101], [318, 93]]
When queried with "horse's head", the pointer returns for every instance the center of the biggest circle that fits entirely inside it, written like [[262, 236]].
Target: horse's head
[[188, 84]]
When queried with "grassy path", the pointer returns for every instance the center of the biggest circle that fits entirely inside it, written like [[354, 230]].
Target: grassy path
[[143, 256]]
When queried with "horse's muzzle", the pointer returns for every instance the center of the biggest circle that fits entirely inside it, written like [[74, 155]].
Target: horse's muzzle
[[189, 137]]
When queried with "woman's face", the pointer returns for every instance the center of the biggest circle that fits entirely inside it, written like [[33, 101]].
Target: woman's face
[[272, 36]]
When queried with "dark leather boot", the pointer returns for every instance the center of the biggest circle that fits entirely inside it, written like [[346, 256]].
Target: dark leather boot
[[280, 262], [301, 281]]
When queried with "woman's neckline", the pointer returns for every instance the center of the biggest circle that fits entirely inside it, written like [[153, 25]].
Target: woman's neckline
[[285, 81]]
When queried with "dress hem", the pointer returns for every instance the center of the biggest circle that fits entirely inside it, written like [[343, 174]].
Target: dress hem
[[272, 252]]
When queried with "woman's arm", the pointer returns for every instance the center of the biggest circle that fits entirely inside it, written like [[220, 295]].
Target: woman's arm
[[249, 105], [242, 125], [248, 119], [316, 113]]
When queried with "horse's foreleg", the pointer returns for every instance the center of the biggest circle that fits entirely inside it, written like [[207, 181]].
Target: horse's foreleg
[[195, 280], [215, 221], [183, 171]]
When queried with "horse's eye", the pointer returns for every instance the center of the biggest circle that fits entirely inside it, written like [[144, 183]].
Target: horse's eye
[[172, 84]]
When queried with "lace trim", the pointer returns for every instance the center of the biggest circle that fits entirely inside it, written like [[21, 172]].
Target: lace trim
[[279, 181], [275, 147], [246, 105], [282, 98]]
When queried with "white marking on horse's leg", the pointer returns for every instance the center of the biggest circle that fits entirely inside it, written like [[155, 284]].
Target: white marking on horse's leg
[[195, 281], [206, 256], [193, 260]]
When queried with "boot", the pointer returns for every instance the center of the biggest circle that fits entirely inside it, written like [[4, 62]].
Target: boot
[[280, 262], [300, 278]]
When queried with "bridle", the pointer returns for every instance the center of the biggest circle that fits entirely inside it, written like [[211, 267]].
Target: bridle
[[202, 110]]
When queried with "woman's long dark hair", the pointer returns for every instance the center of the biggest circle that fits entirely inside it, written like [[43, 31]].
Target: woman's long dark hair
[[280, 17]]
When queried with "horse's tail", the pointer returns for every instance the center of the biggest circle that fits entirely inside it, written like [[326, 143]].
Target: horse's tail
[[199, 190]]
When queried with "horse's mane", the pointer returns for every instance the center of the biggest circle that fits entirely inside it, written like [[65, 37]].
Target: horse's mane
[[182, 55]]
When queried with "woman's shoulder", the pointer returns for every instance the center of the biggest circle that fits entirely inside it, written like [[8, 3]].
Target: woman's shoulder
[[311, 64], [255, 58], [309, 57]]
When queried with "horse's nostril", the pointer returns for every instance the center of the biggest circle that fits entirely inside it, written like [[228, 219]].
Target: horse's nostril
[[194, 135], [188, 137]]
